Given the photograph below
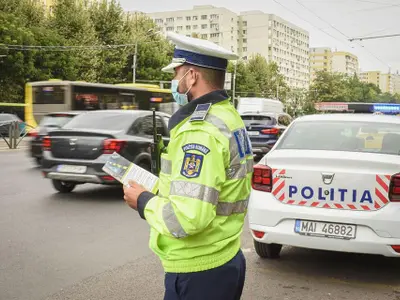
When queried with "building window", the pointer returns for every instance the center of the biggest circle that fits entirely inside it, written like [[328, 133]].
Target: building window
[[195, 18], [195, 26], [170, 19], [204, 26], [188, 18], [204, 36], [244, 31], [214, 25], [179, 28], [188, 27], [158, 21], [244, 23], [213, 35], [179, 18], [214, 17], [204, 17], [244, 49], [244, 40], [170, 28]]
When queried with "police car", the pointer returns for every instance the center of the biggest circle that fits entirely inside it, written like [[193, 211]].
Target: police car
[[327, 185]]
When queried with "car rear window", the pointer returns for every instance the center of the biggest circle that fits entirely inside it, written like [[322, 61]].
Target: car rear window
[[4, 118], [343, 136], [101, 120], [257, 120], [55, 120]]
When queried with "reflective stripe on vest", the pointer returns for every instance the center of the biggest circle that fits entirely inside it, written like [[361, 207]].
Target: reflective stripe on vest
[[194, 190], [227, 208], [166, 166], [242, 169], [171, 221]]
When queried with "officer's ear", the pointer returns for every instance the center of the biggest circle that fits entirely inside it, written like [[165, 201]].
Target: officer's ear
[[193, 77]]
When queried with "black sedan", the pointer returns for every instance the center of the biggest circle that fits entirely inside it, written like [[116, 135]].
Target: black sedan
[[49, 122], [76, 153]]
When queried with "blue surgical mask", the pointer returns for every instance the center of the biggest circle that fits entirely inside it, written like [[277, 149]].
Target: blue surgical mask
[[179, 98]]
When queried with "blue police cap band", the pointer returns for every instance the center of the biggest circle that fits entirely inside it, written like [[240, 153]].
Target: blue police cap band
[[202, 60]]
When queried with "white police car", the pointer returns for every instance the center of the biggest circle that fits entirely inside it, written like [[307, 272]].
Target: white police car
[[331, 182]]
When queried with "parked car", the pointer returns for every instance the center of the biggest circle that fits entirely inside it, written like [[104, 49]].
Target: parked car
[[323, 186], [264, 129], [49, 122], [76, 153], [6, 120]]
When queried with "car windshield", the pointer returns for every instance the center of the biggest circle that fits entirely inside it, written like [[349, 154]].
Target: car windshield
[[257, 120], [102, 121], [55, 120], [381, 138]]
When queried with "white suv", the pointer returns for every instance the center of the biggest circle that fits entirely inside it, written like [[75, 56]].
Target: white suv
[[331, 182]]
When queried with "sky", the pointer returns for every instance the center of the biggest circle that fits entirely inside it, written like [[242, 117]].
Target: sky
[[331, 23]]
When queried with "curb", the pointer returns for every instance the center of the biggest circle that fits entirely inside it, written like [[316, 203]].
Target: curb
[[18, 149]]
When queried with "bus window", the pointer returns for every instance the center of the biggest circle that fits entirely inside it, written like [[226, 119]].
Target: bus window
[[48, 95]]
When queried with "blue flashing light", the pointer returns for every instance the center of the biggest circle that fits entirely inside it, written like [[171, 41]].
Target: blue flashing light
[[387, 108]]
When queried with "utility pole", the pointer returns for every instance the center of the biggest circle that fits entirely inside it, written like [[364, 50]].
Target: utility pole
[[134, 63], [234, 85]]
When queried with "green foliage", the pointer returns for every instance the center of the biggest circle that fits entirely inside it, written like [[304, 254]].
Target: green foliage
[[76, 23], [258, 78], [332, 87]]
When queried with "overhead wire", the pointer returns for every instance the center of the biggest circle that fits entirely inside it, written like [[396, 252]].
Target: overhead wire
[[342, 33]]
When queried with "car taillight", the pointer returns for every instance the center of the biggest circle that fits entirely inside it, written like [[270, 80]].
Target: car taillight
[[262, 178], [46, 143], [111, 145], [270, 131], [394, 188], [33, 133]]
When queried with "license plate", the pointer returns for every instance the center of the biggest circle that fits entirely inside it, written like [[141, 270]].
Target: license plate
[[71, 169], [324, 229], [253, 133]]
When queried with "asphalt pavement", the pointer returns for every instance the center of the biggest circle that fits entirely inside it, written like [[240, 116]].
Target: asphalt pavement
[[90, 245]]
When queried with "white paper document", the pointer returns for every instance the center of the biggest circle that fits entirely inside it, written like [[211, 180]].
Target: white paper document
[[123, 170]]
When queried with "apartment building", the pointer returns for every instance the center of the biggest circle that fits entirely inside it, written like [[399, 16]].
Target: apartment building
[[371, 77], [345, 62], [396, 83], [216, 24], [278, 41], [247, 34], [324, 59], [320, 60], [387, 82]]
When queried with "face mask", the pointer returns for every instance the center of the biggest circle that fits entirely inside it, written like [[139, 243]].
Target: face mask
[[179, 98]]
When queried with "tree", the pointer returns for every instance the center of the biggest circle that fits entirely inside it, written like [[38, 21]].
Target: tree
[[109, 20], [154, 51], [257, 77], [71, 19]]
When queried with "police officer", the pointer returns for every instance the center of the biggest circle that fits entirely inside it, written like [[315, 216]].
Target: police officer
[[197, 217]]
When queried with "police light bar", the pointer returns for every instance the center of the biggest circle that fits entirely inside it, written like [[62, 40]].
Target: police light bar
[[387, 108]]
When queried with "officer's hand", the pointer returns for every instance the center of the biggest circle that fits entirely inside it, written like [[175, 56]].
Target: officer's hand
[[132, 193]]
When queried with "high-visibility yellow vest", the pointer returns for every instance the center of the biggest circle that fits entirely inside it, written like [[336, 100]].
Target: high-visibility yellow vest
[[205, 182]]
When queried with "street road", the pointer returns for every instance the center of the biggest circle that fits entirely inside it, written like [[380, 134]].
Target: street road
[[90, 245]]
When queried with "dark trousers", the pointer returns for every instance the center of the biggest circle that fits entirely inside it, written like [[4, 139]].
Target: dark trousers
[[223, 283]]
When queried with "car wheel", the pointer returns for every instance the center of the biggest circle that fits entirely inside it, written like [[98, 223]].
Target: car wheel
[[38, 161], [267, 250], [63, 187], [145, 166]]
